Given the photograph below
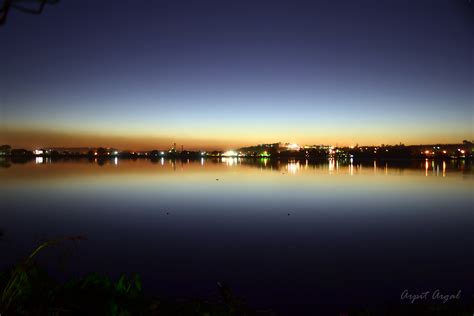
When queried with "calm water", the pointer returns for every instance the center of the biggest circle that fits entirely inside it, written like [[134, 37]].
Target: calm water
[[280, 234]]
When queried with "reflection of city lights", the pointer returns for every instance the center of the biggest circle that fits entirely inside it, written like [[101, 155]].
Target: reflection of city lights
[[39, 160], [293, 167], [331, 165], [115, 161], [230, 161]]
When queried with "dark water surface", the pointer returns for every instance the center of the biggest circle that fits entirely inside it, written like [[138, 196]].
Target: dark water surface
[[283, 235]]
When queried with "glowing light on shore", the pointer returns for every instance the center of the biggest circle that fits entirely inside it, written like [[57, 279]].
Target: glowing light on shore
[[295, 147], [230, 153]]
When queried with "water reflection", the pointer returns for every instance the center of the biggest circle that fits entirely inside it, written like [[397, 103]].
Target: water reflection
[[231, 161], [430, 167], [343, 214], [293, 167]]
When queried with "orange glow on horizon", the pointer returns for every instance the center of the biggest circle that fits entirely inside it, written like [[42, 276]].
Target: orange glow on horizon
[[34, 138]]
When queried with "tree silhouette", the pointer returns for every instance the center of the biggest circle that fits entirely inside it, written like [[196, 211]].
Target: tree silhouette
[[5, 150], [25, 6]]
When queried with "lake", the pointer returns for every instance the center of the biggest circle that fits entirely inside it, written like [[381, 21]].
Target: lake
[[284, 235]]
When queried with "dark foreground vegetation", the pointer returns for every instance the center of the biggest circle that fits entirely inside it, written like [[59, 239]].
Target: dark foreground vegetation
[[27, 289]]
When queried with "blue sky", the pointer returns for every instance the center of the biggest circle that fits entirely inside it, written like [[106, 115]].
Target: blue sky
[[230, 73]]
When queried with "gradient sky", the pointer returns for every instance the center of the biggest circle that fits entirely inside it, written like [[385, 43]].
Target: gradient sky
[[221, 74]]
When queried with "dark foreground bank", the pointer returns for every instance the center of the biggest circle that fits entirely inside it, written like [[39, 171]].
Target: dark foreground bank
[[27, 289]]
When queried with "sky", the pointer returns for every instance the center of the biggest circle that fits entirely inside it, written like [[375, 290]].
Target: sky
[[224, 74]]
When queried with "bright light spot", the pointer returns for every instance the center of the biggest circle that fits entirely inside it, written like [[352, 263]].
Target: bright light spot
[[230, 153], [39, 160], [203, 153], [162, 153], [38, 152], [444, 151], [462, 151], [293, 147], [427, 152], [115, 161]]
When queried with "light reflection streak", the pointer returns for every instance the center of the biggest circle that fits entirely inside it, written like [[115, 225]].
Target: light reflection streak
[[293, 167], [230, 161], [331, 165]]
